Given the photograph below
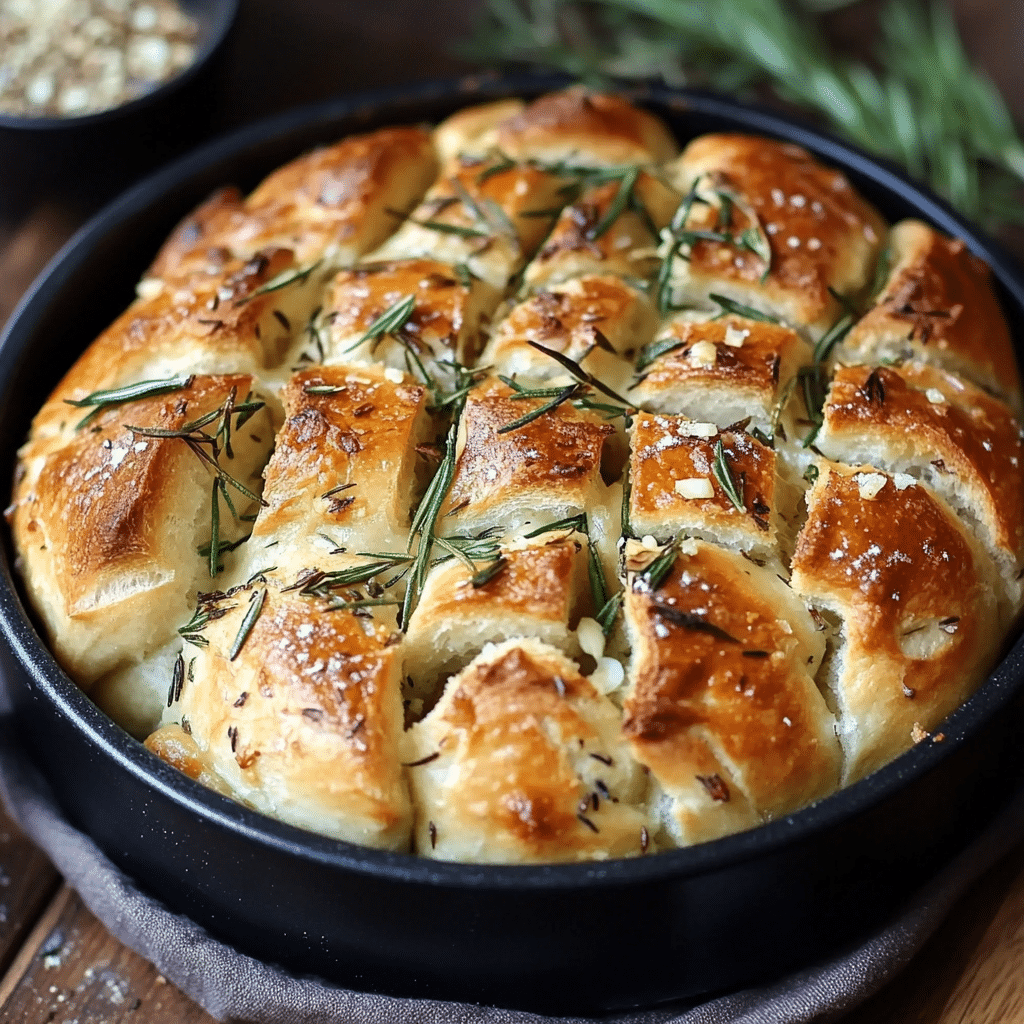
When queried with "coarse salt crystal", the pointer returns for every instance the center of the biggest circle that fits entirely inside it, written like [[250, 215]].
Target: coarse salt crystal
[[394, 375], [902, 481], [695, 487], [935, 396]]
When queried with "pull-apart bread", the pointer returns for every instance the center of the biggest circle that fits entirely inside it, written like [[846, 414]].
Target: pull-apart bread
[[528, 490]]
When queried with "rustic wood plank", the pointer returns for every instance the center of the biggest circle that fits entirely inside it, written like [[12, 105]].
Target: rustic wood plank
[[991, 988], [950, 958], [27, 883], [72, 970]]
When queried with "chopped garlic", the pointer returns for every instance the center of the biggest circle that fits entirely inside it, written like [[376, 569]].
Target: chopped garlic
[[609, 675], [591, 638], [394, 375], [694, 428], [869, 484], [734, 338], [703, 353], [695, 487]]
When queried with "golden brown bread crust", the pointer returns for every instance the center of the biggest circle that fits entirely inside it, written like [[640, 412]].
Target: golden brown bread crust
[[446, 321], [742, 376], [480, 213], [678, 485], [538, 473], [520, 762], [736, 691], [345, 470], [821, 234], [722, 706], [915, 601], [108, 525], [297, 713], [582, 126], [584, 241], [540, 590], [331, 204], [216, 324], [597, 321], [937, 306], [966, 444]]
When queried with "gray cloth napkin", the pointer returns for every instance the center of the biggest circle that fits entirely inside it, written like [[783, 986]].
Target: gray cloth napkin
[[235, 987]]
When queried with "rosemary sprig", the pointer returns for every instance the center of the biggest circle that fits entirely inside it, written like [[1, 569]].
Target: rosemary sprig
[[728, 305], [445, 228], [624, 198], [655, 574], [287, 277], [921, 103], [655, 350], [595, 572], [391, 321], [424, 523], [488, 572], [207, 448], [562, 395], [722, 472], [579, 373], [252, 613], [354, 604], [206, 612], [320, 584], [103, 400]]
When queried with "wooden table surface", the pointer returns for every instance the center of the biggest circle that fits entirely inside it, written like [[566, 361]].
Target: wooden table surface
[[57, 962]]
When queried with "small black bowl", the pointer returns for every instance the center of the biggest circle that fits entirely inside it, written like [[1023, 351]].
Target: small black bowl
[[87, 160], [570, 938]]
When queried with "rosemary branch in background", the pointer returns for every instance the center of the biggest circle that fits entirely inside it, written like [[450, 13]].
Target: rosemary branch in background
[[920, 102]]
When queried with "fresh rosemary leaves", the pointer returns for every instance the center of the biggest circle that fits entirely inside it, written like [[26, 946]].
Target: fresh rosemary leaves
[[922, 103]]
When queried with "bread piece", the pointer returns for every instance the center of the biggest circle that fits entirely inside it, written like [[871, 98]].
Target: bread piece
[[680, 485], [914, 595], [331, 206], [919, 420], [220, 324], [110, 527], [521, 762], [540, 590], [722, 706], [937, 306], [345, 472], [444, 324], [720, 371], [479, 214], [297, 711], [543, 471], [595, 321], [612, 228], [578, 126], [820, 233], [470, 132]]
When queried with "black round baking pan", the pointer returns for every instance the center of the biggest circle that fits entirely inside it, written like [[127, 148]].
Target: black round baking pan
[[88, 159], [586, 938]]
